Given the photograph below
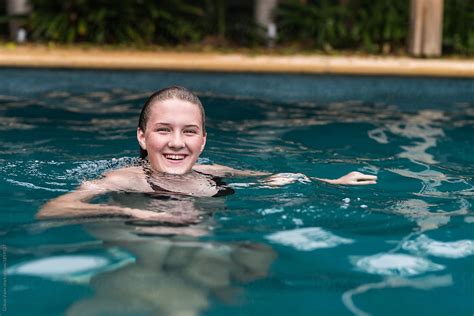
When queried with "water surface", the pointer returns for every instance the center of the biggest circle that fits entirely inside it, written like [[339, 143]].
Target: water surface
[[405, 245]]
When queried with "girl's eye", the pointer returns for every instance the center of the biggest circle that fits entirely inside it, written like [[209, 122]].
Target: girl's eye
[[163, 129], [190, 131]]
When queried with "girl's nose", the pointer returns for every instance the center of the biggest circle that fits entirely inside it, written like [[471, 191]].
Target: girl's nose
[[176, 141]]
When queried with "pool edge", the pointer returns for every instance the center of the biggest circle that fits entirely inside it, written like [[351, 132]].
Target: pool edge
[[27, 57]]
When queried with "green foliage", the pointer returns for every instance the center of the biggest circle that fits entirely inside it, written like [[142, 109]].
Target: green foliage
[[383, 24], [373, 26], [121, 21], [241, 27], [137, 22], [458, 27]]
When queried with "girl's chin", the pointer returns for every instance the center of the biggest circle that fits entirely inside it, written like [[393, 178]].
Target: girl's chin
[[176, 169], [176, 172], [172, 167]]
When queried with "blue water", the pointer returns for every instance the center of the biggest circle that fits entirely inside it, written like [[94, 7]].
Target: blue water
[[403, 246]]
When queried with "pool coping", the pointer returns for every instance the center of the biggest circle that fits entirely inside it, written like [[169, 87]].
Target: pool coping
[[77, 58]]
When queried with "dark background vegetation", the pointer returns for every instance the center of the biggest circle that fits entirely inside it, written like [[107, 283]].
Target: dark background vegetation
[[3, 25], [367, 26]]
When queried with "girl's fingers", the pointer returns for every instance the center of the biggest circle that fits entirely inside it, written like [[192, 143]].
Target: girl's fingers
[[364, 182], [366, 178]]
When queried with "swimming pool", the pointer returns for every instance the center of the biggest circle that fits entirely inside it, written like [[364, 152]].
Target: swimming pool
[[405, 245]]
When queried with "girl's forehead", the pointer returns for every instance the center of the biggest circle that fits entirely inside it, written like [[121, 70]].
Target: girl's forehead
[[175, 105], [175, 109]]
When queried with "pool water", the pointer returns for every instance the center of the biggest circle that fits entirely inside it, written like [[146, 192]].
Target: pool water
[[403, 246]]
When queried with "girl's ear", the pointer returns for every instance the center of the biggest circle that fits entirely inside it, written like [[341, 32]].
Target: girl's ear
[[141, 138]]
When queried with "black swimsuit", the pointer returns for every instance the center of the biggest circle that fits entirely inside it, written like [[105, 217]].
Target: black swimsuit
[[223, 188]]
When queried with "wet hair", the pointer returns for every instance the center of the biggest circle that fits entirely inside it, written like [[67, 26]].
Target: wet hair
[[173, 92]]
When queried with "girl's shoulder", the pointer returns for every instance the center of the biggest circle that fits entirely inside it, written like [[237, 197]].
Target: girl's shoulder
[[127, 179], [125, 172]]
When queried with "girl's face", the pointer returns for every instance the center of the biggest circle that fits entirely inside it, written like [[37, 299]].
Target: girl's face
[[173, 136]]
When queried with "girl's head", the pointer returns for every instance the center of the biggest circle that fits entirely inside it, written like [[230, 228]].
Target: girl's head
[[171, 130]]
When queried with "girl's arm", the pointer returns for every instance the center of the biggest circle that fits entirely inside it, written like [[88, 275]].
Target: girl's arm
[[224, 171], [352, 178], [279, 179], [76, 203]]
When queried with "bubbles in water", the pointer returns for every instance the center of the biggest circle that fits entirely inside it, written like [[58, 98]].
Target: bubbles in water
[[298, 221], [345, 204], [53, 175], [267, 211], [33, 175], [93, 169]]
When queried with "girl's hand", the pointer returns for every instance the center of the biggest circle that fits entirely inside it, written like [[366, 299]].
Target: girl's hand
[[281, 179], [353, 178]]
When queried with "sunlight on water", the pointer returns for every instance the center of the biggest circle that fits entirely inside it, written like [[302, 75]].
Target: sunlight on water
[[423, 245], [307, 239], [397, 265], [72, 268]]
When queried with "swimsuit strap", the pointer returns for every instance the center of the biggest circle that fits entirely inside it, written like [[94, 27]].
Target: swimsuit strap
[[222, 187]]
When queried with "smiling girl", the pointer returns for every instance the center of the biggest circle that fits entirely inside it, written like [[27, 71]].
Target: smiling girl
[[171, 133]]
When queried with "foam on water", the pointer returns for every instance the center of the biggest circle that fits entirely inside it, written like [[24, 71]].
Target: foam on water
[[34, 174], [307, 239], [396, 265], [55, 175], [95, 168], [423, 245]]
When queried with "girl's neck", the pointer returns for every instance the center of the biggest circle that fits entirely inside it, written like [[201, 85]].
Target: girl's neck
[[153, 173]]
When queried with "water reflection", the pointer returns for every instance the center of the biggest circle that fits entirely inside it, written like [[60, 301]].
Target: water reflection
[[173, 271], [422, 127], [422, 283], [175, 275]]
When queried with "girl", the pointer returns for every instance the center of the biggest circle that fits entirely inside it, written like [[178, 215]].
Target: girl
[[171, 133]]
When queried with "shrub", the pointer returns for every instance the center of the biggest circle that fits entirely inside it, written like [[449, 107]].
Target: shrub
[[121, 21], [373, 26]]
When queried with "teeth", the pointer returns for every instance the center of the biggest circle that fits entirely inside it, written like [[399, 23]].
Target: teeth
[[175, 157]]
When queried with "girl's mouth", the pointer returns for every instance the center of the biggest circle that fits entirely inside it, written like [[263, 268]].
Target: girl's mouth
[[175, 157]]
